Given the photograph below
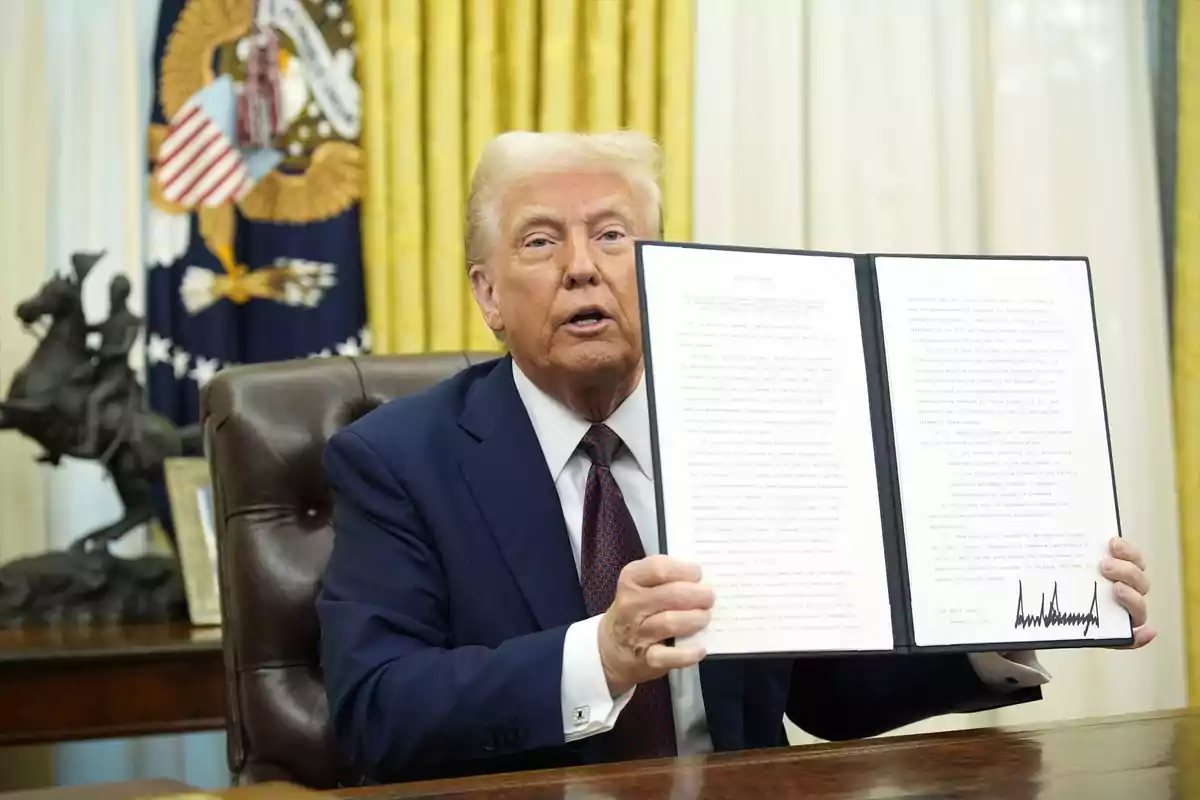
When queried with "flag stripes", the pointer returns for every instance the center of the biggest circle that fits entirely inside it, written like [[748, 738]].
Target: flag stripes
[[198, 165]]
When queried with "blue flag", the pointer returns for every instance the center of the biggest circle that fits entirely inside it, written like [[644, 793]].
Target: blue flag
[[253, 247]]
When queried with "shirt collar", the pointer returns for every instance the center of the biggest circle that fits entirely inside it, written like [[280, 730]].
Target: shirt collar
[[559, 430]]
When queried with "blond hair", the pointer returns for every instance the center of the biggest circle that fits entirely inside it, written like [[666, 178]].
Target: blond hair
[[517, 155]]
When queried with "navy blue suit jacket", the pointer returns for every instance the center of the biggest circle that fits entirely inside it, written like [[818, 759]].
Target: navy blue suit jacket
[[451, 586]]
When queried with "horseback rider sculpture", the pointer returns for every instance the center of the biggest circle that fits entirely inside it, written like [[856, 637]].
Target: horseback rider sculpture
[[101, 391], [75, 400], [87, 402]]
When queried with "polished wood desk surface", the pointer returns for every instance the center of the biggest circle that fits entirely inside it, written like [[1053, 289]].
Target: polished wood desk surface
[[123, 642], [124, 790], [69, 683], [1146, 757]]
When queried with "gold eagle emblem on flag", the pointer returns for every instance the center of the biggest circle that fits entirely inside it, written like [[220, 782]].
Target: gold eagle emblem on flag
[[314, 170]]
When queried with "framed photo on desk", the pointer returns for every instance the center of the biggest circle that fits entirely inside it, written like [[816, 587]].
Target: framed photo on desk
[[189, 488]]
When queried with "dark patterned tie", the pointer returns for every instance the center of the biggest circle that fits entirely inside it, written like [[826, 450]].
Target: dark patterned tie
[[646, 727]]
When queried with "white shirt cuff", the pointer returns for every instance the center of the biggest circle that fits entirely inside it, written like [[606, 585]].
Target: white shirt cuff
[[1018, 669], [587, 706]]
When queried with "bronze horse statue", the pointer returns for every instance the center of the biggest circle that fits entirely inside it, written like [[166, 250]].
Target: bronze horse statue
[[87, 403]]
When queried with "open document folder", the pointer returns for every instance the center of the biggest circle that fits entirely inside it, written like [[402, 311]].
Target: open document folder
[[876, 452]]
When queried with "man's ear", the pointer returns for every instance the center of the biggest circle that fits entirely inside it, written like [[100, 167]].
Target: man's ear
[[484, 291]]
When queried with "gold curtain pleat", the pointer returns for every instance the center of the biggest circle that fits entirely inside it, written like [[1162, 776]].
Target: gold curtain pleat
[[641, 69], [1187, 327], [484, 70], [442, 77], [520, 54], [603, 84], [390, 58], [444, 193], [558, 87], [675, 124]]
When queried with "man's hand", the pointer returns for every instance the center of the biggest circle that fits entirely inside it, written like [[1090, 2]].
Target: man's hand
[[657, 598], [1127, 569]]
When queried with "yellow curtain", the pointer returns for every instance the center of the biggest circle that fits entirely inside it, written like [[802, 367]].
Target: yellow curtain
[[441, 77], [1187, 326]]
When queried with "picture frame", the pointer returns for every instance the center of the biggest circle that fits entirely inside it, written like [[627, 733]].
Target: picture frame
[[189, 489]]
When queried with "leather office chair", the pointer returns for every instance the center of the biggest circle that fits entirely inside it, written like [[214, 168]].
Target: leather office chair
[[265, 429]]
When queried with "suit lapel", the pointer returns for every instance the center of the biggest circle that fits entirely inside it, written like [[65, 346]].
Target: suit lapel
[[507, 475]]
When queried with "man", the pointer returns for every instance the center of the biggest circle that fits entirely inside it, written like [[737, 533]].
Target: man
[[494, 600], [111, 377]]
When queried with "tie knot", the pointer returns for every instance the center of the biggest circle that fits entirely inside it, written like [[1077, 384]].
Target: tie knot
[[600, 445]]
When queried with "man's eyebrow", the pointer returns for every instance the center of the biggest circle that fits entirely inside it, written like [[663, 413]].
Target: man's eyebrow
[[609, 212], [538, 216], [535, 217]]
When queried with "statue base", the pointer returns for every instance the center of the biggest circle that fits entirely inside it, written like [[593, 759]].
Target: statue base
[[77, 588]]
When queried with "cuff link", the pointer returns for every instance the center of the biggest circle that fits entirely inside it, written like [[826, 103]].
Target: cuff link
[[582, 715]]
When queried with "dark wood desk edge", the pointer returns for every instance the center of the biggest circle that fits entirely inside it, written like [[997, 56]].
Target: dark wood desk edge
[[113, 652], [536, 778], [118, 731], [143, 788]]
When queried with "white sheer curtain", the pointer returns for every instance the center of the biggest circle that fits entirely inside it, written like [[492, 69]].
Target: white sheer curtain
[[23, 165], [22, 253], [1018, 126], [76, 87], [94, 178]]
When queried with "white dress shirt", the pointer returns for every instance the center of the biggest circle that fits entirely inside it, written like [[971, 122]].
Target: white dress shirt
[[587, 706]]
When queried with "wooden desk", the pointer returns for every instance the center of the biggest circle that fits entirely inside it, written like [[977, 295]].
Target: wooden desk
[[86, 683], [1144, 757], [125, 790]]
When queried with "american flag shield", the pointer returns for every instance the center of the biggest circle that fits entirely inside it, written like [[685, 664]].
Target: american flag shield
[[199, 164]]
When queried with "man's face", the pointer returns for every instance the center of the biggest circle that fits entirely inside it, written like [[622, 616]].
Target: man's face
[[561, 284]]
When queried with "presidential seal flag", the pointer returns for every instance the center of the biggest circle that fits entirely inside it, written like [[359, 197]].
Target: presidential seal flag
[[255, 174]]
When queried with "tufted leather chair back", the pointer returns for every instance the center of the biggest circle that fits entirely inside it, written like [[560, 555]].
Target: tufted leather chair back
[[265, 429]]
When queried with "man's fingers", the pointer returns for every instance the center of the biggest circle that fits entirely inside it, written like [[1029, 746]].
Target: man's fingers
[[1132, 602], [1143, 636], [677, 596], [672, 624], [1124, 549], [657, 570], [1125, 572], [663, 658]]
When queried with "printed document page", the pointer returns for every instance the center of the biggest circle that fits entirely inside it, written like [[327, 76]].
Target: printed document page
[[765, 452], [1006, 483]]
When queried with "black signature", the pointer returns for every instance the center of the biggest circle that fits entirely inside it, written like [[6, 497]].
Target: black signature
[[1055, 618]]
